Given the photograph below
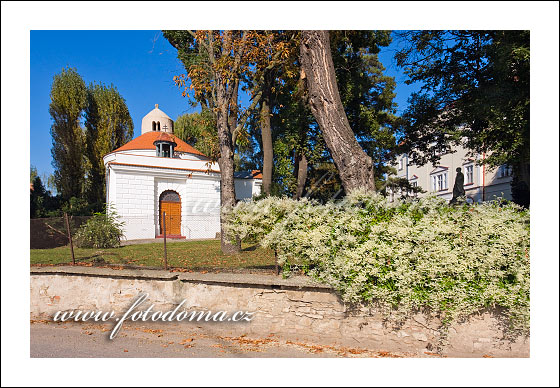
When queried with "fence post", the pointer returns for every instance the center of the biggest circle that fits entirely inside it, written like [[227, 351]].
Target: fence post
[[164, 242], [276, 267], [70, 238]]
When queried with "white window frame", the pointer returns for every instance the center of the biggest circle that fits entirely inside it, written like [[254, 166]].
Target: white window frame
[[467, 168], [439, 182], [504, 171]]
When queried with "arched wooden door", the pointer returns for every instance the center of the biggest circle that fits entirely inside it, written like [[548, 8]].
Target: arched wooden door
[[170, 203]]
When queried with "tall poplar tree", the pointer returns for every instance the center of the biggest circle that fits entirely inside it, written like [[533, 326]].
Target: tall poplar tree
[[108, 126], [68, 101]]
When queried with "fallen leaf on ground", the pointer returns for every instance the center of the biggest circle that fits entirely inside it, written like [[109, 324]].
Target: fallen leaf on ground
[[433, 354], [153, 331], [39, 321]]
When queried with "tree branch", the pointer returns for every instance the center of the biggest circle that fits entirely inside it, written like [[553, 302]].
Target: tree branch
[[246, 114]]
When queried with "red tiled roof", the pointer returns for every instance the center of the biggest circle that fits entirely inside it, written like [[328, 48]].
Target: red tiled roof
[[256, 174], [146, 142], [165, 137]]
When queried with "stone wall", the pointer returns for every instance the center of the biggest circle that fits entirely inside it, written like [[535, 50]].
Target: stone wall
[[294, 308]]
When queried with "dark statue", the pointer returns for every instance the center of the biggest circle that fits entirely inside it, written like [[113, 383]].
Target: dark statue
[[458, 189]]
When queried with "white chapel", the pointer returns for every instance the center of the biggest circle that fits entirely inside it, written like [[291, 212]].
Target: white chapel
[[158, 172]]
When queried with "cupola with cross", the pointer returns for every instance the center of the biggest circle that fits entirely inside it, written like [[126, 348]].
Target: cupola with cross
[[157, 121]]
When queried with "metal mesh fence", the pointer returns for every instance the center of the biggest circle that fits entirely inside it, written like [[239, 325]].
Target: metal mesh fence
[[51, 232], [142, 246], [186, 226]]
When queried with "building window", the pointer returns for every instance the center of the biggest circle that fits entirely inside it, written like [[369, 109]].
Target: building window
[[164, 150], [401, 163], [504, 171], [469, 174], [153, 125], [439, 181], [413, 184]]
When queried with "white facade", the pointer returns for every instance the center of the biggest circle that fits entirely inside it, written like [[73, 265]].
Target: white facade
[[136, 178], [481, 182]]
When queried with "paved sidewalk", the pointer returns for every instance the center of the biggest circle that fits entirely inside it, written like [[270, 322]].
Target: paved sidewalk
[[85, 340]]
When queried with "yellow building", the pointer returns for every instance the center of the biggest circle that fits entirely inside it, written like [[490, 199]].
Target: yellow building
[[481, 182]]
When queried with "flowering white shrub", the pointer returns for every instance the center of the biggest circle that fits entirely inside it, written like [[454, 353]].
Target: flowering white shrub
[[405, 256]]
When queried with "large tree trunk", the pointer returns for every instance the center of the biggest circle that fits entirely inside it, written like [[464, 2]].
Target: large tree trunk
[[521, 185], [354, 165], [233, 108], [301, 162], [301, 170], [227, 187], [266, 134]]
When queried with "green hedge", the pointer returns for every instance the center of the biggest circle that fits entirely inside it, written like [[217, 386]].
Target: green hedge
[[404, 256]]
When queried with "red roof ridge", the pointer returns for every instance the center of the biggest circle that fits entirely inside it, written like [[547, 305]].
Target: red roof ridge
[[146, 142], [165, 137]]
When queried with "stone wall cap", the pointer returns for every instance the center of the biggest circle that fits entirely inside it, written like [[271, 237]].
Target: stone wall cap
[[105, 272], [253, 279], [248, 279]]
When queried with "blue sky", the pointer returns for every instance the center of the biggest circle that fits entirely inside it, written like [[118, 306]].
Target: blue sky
[[141, 64]]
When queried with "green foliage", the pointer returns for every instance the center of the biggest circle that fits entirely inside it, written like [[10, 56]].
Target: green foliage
[[80, 207], [367, 96], [199, 130], [68, 100], [475, 90], [42, 202], [400, 187], [108, 126], [404, 256], [294, 133], [103, 230], [366, 93], [77, 152], [33, 174], [324, 182], [37, 197]]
